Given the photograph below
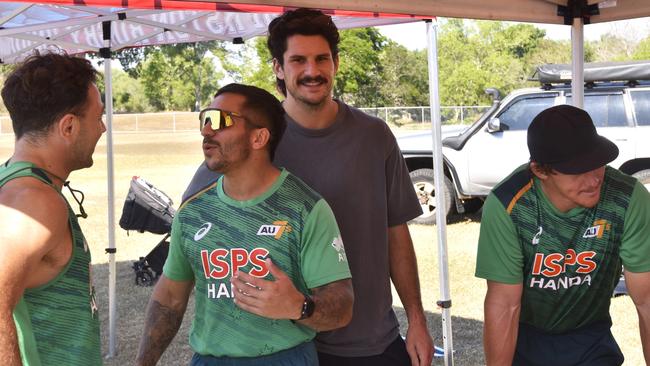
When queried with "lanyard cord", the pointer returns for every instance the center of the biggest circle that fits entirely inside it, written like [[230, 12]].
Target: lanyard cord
[[73, 192], [66, 183]]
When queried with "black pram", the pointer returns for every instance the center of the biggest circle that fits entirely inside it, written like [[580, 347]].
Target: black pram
[[148, 209]]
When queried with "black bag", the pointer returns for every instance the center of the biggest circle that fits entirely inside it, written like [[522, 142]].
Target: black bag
[[147, 209]]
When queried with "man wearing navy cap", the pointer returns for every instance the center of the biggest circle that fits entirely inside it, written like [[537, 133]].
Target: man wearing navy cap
[[554, 235]]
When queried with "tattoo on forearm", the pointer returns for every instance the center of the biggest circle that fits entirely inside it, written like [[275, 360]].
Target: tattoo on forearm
[[333, 305], [161, 325]]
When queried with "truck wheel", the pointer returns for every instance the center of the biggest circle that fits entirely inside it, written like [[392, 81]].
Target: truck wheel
[[422, 180], [644, 177]]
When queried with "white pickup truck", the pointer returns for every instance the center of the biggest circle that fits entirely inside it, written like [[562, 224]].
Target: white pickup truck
[[479, 156]]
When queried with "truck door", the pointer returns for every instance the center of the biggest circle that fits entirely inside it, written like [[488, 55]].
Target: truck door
[[493, 155], [607, 110]]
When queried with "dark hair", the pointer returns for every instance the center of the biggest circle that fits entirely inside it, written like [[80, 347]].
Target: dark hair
[[264, 107], [306, 22], [44, 88]]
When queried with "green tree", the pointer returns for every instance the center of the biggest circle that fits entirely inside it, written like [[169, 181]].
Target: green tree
[[642, 50], [358, 78], [472, 59], [179, 78], [128, 94], [611, 47], [360, 69], [184, 72], [249, 64], [404, 76]]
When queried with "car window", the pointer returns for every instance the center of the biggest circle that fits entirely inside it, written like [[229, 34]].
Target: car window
[[641, 102], [606, 110], [521, 112]]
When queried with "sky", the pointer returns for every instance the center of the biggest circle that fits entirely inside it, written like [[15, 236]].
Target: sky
[[413, 35]]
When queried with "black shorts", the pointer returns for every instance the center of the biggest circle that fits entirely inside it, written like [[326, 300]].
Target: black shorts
[[394, 355], [593, 345]]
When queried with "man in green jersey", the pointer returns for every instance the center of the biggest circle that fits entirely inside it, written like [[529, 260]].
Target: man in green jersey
[[48, 314], [553, 237], [260, 248]]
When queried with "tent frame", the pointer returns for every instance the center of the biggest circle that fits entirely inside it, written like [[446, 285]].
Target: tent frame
[[575, 13]]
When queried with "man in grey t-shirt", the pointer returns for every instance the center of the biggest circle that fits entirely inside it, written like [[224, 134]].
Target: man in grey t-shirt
[[353, 161]]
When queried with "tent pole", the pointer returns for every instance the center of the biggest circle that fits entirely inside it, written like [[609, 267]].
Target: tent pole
[[111, 250], [577, 62], [441, 216]]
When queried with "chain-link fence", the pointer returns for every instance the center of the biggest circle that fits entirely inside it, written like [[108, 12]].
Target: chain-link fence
[[189, 121], [401, 116]]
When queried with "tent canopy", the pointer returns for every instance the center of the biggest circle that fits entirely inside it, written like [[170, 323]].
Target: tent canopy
[[76, 25], [79, 29], [536, 11], [540, 11]]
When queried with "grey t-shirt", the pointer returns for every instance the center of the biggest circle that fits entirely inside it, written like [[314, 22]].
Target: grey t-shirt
[[356, 165]]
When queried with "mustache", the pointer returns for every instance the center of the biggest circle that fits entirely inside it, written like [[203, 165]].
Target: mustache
[[309, 79], [207, 141]]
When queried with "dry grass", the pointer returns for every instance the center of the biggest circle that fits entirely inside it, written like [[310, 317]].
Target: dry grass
[[169, 160]]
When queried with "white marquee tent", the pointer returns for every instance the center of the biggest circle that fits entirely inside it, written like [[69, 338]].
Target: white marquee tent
[[109, 25]]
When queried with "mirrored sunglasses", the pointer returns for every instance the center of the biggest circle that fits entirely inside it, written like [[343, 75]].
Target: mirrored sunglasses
[[217, 118]]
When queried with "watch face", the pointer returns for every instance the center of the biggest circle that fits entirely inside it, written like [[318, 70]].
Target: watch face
[[308, 307], [311, 306]]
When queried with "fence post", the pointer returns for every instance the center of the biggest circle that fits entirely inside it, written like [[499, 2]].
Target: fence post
[[422, 113], [386, 114], [174, 121], [462, 116], [136, 122]]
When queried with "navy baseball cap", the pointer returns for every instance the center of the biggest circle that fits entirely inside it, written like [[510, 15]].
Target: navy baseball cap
[[564, 137]]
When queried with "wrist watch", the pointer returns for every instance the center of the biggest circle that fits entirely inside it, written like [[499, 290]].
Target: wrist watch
[[308, 307]]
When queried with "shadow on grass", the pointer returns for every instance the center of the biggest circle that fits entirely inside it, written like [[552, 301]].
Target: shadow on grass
[[467, 336], [132, 302], [469, 217]]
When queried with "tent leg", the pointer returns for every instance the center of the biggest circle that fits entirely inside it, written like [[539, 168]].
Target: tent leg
[[112, 304], [111, 250], [577, 62], [441, 215]]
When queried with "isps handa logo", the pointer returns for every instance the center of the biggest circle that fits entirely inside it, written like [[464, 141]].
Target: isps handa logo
[[598, 229], [276, 230]]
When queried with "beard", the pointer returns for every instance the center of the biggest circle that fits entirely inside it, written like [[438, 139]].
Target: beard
[[82, 155], [223, 157]]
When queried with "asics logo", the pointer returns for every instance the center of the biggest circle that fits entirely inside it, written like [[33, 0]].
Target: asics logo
[[203, 230]]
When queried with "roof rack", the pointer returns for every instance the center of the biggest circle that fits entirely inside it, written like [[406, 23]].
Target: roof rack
[[628, 71]]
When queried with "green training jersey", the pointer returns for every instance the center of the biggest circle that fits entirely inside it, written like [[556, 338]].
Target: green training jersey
[[568, 262], [214, 236], [57, 323]]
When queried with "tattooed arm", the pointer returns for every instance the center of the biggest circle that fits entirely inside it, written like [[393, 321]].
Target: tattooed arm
[[333, 306], [163, 319]]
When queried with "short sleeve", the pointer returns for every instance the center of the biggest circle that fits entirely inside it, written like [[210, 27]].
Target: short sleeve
[[499, 256], [177, 267], [403, 204], [323, 258], [635, 243]]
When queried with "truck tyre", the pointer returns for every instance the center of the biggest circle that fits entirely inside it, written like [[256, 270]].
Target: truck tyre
[[644, 177], [422, 180]]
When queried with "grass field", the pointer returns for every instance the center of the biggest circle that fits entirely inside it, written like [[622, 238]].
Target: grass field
[[168, 161]]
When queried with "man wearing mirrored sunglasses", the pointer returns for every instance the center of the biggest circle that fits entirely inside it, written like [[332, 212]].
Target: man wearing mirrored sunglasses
[[260, 248], [48, 313], [353, 161], [553, 237]]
